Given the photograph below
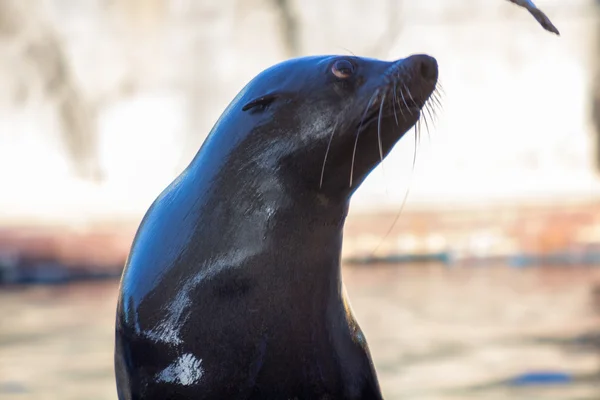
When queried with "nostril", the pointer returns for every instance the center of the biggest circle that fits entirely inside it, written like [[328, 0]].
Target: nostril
[[427, 71], [426, 66]]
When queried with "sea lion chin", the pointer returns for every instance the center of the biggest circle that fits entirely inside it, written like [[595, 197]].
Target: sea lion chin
[[232, 288]]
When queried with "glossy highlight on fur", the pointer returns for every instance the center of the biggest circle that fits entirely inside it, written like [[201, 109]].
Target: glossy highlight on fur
[[232, 289]]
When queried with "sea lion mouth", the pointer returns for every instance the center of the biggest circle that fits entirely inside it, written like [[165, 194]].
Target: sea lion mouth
[[398, 105]]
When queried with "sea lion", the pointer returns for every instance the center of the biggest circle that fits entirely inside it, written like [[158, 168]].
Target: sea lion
[[232, 288]]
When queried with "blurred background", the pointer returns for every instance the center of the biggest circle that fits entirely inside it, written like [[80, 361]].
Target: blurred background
[[485, 284]]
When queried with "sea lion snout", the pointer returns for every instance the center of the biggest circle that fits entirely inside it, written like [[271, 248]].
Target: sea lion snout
[[414, 78]]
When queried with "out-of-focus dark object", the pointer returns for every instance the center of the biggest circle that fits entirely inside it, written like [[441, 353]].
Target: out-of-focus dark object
[[537, 378], [537, 14]]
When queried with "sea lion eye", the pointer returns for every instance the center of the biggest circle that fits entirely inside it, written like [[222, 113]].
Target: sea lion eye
[[342, 69]]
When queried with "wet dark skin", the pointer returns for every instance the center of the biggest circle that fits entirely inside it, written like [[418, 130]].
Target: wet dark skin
[[233, 289]]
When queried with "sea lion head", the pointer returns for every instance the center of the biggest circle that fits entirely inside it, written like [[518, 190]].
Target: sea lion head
[[327, 121]]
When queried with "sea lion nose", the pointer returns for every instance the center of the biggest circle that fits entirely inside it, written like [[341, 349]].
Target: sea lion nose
[[425, 65]]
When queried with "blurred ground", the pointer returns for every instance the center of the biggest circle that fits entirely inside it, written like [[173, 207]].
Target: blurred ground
[[435, 333]]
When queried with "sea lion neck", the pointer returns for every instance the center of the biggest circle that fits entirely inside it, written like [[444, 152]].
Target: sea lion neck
[[266, 201], [251, 206], [253, 180]]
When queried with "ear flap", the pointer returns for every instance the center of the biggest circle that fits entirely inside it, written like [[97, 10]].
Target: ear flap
[[262, 102]]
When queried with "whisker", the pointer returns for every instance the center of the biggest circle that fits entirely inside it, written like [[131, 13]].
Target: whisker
[[433, 98], [410, 95], [373, 96], [437, 99], [431, 107], [379, 127], [440, 87], [424, 117], [394, 101], [431, 111], [327, 152], [404, 100], [343, 48], [397, 101], [416, 129]]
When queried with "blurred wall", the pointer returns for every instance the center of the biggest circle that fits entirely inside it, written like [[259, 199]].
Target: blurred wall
[[102, 103]]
